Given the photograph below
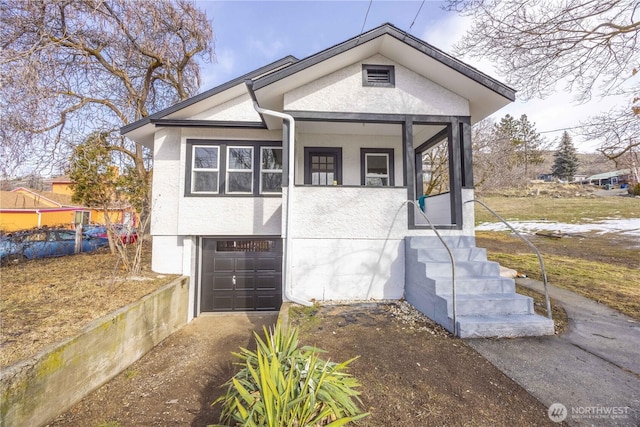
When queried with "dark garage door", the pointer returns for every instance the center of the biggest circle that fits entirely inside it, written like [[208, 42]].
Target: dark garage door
[[241, 275]]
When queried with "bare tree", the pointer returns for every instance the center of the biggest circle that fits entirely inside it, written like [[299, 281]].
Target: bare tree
[[591, 46], [619, 131], [71, 68], [494, 158], [435, 168]]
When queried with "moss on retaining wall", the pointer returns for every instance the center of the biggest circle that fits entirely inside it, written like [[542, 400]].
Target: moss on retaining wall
[[36, 390]]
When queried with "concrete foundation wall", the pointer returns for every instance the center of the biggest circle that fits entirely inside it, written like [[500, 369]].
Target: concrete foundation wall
[[36, 390], [348, 269]]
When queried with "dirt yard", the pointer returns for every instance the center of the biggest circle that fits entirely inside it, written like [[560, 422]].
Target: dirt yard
[[413, 373], [46, 300]]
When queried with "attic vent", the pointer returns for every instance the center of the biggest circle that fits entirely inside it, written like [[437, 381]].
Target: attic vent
[[378, 75]]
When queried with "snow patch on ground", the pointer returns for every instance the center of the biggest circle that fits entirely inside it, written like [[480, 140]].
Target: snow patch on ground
[[623, 226]]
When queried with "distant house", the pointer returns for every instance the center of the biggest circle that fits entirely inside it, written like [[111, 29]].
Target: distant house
[[622, 176], [61, 185], [546, 177], [24, 208]]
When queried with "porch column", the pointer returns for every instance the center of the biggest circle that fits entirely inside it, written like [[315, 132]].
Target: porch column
[[455, 170], [408, 163], [467, 153]]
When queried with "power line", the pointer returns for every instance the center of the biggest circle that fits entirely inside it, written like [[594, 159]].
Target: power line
[[365, 17], [558, 130], [415, 17]]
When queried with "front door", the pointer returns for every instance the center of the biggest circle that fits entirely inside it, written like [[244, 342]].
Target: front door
[[323, 166]]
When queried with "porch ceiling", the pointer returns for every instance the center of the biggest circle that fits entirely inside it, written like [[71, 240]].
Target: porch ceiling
[[421, 133]]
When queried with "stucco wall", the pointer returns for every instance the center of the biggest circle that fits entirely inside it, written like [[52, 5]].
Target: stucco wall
[[36, 390], [237, 109], [351, 145], [348, 241], [348, 269], [343, 91], [167, 256], [349, 213], [177, 215]]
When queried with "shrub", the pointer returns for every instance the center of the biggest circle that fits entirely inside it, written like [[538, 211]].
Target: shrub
[[634, 190], [281, 384]]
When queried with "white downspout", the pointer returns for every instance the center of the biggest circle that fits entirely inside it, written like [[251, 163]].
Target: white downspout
[[287, 226]]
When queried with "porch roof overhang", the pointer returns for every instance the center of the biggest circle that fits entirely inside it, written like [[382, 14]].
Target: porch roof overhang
[[485, 94]]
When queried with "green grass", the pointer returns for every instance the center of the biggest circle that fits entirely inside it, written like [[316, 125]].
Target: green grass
[[615, 286], [569, 210], [602, 267]]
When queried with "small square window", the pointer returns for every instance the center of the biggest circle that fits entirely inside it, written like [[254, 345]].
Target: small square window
[[378, 75]]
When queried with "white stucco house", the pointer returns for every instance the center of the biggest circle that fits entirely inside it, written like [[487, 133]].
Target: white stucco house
[[292, 182]]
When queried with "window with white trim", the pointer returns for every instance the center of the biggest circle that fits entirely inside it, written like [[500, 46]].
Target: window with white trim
[[239, 170], [205, 169], [377, 167], [270, 170], [233, 167]]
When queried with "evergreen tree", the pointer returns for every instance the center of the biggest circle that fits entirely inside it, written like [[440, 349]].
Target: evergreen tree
[[519, 143], [565, 164]]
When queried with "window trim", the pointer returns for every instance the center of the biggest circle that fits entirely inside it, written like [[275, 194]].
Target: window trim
[[193, 169], [363, 167], [308, 151], [261, 170], [222, 145], [389, 69], [228, 170]]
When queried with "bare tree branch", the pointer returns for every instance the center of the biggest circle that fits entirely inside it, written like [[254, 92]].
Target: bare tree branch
[[71, 68]]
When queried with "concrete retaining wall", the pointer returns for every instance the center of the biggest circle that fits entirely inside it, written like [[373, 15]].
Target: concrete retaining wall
[[36, 390]]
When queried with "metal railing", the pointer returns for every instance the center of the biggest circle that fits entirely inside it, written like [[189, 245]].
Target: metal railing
[[453, 267], [544, 272]]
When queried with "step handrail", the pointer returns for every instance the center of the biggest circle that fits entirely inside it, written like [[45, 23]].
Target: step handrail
[[544, 271], [453, 267]]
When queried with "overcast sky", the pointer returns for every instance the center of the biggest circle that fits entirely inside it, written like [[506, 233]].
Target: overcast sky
[[250, 34]]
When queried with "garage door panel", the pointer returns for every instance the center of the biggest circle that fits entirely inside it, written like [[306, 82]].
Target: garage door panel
[[222, 283], [223, 264], [222, 302], [245, 283], [271, 282], [245, 264], [244, 301], [267, 302], [241, 274], [269, 264]]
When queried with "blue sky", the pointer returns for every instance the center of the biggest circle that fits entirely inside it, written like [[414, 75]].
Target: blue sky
[[250, 34]]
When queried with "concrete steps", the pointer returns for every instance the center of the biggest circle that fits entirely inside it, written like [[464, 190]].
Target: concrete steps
[[486, 304]]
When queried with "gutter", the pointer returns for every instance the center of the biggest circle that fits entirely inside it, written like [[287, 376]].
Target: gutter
[[290, 181]]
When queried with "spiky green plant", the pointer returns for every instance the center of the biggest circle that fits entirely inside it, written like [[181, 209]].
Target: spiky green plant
[[281, 385]]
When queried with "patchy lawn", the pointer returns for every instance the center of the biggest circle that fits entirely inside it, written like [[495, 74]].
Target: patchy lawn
[[602, 266], [44, 301]]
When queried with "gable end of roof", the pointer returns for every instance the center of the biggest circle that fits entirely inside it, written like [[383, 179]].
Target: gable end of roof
[[391, 30], [265, 70]]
